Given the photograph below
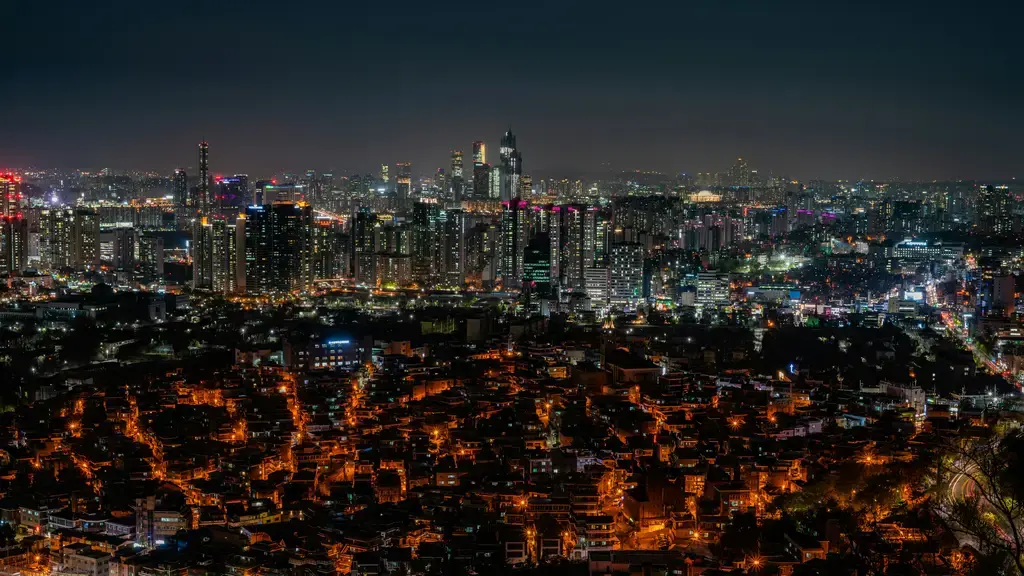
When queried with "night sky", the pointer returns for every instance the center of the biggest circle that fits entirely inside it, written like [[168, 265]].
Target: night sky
[[851, 89]]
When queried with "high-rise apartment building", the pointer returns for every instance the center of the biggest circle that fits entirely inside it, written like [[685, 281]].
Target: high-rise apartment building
[[994, 214], [328, 249], [151, 258], [203, 204], [627, 273], [85, 238], [14, 238]]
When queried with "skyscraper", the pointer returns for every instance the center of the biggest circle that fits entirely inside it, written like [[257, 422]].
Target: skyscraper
[[232, 193], [994, 214], [85, 238], [363, 239], [124, 248], [328, 249], [314, 187], [278, 255], [258, 239], [511, 166], [151, 257], [57, 245], [426, 217], [627, 273], [537, 265], [403, 182], [740, 174], [494, 183], [515, 228], [526, 186], [203, 205], [457, 178], [453, 242], [385, 175], [13, 244], [201, 250], [179, 184], [10, 194], [481, 181], [481, 172], [224, 256]]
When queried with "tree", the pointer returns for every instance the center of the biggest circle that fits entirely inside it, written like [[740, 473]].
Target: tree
[[985, 497]]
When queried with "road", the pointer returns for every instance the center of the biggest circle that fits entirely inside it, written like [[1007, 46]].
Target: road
[[961, 486], [979, 356]]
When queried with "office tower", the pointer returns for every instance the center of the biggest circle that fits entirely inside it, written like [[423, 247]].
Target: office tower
[[385, 176], [10, 195], [290, 256], [232, 193], [125, 243], [426, 219], [537, 265], [203, 205], [258, 239], [179, 186], [481, 181], [14, 239], [515, 220], [151, 257], [278, 257], [457, 177], [287, 192], [627, 273], [597, 284], [85, 237], [511, 166], [403, 182], [453, 242], [479, 153], [495, 183], [328, 249], [363, 239]]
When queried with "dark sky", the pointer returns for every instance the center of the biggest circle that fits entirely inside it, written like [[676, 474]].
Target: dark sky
[[833, 89]]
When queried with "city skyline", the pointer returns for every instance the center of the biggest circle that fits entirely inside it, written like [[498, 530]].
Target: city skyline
[[874, 92]]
